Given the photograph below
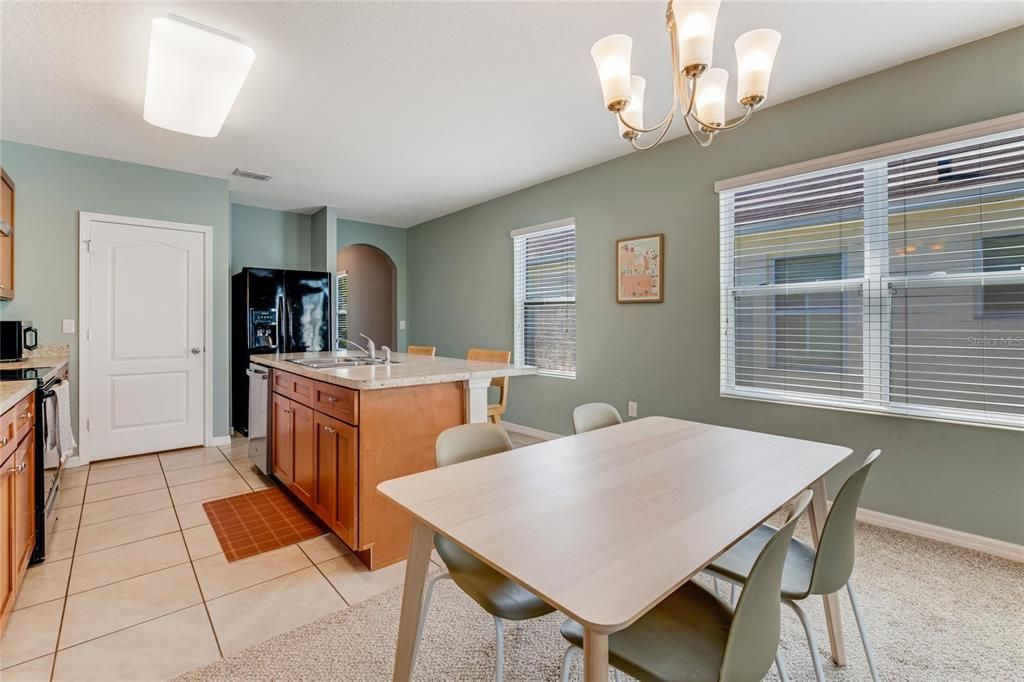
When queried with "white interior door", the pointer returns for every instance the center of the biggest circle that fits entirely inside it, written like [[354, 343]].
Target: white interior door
[[145, 338]]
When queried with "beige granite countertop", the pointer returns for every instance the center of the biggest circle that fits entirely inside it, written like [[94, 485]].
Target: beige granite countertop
[[13, 391], [406, 370]]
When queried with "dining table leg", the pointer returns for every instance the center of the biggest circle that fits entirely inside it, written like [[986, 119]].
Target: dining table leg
[[595, 656], [416, 566], [833, 616]]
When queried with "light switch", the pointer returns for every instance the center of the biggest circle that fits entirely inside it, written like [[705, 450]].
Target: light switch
[[401, 324], [68, 327]]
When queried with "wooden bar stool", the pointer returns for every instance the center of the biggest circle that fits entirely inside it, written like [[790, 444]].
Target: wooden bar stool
[[495, 411], [421, 350]]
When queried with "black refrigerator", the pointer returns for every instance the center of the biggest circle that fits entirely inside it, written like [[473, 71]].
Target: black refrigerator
[[274, 311]]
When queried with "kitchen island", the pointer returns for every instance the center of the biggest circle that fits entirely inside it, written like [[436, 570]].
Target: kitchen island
[[335, 432]]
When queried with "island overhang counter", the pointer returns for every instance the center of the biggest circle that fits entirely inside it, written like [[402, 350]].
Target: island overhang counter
[[334, 433]]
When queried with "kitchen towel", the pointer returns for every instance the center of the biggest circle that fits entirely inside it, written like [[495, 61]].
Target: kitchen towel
[[65, 437]]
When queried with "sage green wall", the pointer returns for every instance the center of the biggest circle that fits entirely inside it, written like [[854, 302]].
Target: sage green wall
[[265, 238], [666, 356], [390, 240], [53, 186]]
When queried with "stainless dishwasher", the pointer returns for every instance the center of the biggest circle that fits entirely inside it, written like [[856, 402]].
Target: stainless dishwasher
[[258, 450]]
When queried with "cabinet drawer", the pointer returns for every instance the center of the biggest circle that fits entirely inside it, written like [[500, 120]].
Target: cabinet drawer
[[335, 401], [24, 417], [8, 433]]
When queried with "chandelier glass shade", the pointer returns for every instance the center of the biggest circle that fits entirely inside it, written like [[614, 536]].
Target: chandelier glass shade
[[698, 91]]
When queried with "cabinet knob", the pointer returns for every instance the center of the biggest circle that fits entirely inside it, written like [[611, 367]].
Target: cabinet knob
[[331, 399], [288, 410], [4, 441], [329, 429]]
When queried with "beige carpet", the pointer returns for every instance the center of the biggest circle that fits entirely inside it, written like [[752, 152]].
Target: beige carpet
[[935, 612]]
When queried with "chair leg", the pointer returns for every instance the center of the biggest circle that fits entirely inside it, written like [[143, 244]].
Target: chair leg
[[499, 664], [423, 616], [780, 665], [570, 654], [819, 675], [863, 632]]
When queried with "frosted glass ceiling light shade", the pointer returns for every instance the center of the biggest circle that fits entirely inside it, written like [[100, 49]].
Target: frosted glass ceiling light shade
[[711, 96], [755, 55], [695, 26], [611, 57], [633, 114], [194, 76]]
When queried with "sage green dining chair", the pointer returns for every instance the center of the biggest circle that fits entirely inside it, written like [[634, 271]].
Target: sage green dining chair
[[809, 572], [502, 598], [594, 416], [693, 635]]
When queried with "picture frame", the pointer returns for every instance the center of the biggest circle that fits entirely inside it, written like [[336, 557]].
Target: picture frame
[[640, 269]]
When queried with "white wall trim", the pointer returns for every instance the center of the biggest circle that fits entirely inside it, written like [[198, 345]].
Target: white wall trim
[[958, 538], [85, 220], [215, 441], [529, 431], [979, 543]]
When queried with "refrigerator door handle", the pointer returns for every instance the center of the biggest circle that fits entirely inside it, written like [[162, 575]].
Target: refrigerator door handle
[[280, 321]]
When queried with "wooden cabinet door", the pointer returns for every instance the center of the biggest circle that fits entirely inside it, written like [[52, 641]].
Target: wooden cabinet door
[[7, 549], [326, 443], [346, 478], [283, 426], [303, 443], [24, 502], [7, 240]]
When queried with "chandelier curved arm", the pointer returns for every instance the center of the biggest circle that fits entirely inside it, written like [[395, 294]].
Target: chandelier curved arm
[[691, 88], [703, 142], [661, 136]]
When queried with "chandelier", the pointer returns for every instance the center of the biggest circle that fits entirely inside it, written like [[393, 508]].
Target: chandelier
[[698, 91]]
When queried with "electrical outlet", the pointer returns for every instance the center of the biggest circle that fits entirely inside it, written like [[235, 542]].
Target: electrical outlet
[[68, 327], [401, 324], [631, 408]]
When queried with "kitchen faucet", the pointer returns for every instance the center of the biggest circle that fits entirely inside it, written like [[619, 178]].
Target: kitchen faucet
[[370, 350]]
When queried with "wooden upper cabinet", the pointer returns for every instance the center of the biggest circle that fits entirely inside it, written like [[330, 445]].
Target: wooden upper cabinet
[[283, 430], [304, 473], [6, 236]]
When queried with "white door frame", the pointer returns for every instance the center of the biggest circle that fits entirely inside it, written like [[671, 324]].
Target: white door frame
[[85, 220]]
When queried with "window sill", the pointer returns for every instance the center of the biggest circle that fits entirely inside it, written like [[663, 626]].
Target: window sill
[[947, 416]]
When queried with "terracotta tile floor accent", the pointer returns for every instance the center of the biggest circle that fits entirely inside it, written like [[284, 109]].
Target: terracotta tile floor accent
[[259, 522]]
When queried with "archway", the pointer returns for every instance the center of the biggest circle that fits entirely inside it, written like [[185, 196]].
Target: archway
[[368, 291]]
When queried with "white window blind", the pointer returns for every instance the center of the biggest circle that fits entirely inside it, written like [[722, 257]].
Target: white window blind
[[544, 289], [895, 285], [341, 300]]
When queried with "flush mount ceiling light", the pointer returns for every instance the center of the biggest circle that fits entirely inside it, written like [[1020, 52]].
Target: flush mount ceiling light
[[195, 74], [698, 91]]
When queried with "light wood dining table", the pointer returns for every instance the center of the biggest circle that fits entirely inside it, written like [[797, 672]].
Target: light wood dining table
[[604, 525]]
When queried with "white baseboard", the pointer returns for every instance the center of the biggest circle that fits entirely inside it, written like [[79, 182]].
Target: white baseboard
[[979, 543], [529, 431], [214, 441]]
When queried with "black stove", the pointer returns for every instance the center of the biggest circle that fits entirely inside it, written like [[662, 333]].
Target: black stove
[[23, 374]]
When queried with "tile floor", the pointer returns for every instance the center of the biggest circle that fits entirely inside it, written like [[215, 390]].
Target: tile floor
[[135, 585]]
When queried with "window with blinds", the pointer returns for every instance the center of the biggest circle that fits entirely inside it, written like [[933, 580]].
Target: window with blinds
[[341, 300], [895, 285], [544, 289]]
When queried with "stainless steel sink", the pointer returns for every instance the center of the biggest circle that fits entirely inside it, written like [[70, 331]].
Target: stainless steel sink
[[334, 363]]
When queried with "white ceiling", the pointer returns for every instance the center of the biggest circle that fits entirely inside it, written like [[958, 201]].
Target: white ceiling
[[398, 112]]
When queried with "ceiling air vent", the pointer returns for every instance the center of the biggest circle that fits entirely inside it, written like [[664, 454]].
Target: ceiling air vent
[[251, 175]]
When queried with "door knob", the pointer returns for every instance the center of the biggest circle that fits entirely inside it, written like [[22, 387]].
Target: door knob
[[195, 351]]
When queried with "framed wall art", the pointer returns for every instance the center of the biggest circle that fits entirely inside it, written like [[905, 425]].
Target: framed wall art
[[640, 269]]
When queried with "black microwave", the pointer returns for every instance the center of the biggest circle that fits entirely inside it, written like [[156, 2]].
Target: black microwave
[[16, 336]]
